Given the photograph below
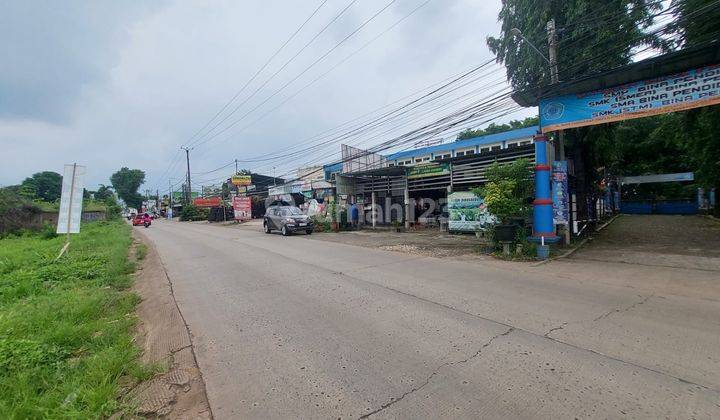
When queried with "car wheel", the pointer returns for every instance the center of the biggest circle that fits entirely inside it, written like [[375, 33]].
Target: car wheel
[[266, 227], [285, 231], [309, 231]]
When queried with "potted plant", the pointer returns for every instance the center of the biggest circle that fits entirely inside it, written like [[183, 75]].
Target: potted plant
[[332, 214], [506, 194], [397, 225], [501, 204]]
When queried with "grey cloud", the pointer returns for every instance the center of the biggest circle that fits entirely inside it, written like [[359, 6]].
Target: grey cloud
[[113, 84], [51, 49]]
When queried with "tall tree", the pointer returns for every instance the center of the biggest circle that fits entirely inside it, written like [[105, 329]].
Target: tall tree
[[590, 38], [126, 183], [499, 128], [45, 186], [697, 23], [103, 193]]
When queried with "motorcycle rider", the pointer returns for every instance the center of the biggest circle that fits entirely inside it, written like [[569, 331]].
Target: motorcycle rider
[[147, 219]]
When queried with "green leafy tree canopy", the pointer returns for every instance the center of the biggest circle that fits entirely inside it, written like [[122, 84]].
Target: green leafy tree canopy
[[45, 186], [126, 183], [591, 38], [499, 128]]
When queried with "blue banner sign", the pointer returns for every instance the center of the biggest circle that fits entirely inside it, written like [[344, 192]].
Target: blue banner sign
[[560, 195], [691, 89]]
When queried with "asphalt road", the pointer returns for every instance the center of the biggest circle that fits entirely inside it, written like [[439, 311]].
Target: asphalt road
[[295, 327]]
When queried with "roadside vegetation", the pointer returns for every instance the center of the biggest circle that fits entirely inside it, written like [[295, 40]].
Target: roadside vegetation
[[65, 326]]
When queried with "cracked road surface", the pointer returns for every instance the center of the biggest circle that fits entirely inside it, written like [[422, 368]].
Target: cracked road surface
[[302, 328]]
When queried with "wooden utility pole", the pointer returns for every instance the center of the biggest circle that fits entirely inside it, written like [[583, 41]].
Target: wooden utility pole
[[170, 198]]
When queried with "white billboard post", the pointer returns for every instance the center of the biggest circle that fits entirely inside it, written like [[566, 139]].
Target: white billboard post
[[71, 200]]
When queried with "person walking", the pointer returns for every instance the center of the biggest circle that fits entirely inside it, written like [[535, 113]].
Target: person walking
[[354, 215]]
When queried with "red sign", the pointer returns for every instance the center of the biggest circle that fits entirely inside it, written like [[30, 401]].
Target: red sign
[[207, 202], [242, 207]]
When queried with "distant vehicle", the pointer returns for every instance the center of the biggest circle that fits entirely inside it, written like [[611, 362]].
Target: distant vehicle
[[142, 220], [287, 219]]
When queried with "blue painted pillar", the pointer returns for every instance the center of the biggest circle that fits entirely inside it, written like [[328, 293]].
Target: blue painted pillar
[[543, 205]]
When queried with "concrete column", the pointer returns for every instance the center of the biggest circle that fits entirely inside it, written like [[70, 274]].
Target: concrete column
[[451, 178], [543, 204], [407, 206], [373, 214]]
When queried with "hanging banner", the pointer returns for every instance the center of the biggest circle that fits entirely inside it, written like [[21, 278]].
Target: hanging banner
[[468, 212], [241, 180], [644, 179], [71, 199], [207, 202], [560, 196], [423, 171], [691, 89], [242, 208]]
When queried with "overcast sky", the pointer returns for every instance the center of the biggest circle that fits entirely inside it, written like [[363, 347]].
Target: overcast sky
[[110, 84]]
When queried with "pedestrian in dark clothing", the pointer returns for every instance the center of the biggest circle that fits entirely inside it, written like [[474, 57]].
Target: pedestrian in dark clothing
[[354, 215]]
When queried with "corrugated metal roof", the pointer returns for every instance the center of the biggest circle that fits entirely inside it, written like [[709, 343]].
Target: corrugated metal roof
[[475, 141]]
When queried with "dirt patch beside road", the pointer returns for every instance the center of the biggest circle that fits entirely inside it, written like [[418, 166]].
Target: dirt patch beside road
[[179, 392], [429, 243]]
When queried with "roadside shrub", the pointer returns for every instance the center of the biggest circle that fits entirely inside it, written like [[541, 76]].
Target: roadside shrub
[[192, 213], [509, 190], [322, 224], [48, 231], [113, 210], [16, 213]]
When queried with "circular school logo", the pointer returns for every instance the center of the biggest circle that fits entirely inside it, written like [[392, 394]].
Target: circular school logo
[[553, 111]]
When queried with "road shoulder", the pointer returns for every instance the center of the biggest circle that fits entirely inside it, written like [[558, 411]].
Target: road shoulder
[[178, 392]]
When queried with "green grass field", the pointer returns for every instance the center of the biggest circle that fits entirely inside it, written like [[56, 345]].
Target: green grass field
[[65, 327]]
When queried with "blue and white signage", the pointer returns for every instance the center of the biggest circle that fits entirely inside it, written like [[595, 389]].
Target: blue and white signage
[[691, 89], [560, 196]]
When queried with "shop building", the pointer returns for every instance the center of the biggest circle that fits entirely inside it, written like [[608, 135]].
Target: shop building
[[412, 186]]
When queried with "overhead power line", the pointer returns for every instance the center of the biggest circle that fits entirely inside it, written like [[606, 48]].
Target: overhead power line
[[257, 73], [287, 62], [322, 75], [319, 59]]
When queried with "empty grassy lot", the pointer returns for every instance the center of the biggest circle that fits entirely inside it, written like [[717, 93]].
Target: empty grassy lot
[[66, 327]]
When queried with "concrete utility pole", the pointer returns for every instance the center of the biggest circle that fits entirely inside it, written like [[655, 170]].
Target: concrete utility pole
[[189, 188], [236, 167], [170, 197], [554, 77]]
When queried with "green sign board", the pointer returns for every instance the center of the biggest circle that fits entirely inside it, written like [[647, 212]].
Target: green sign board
[[468, 212], [423, 171]]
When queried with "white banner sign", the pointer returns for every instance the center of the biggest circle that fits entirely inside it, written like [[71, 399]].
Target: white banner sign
[[71, 199]]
